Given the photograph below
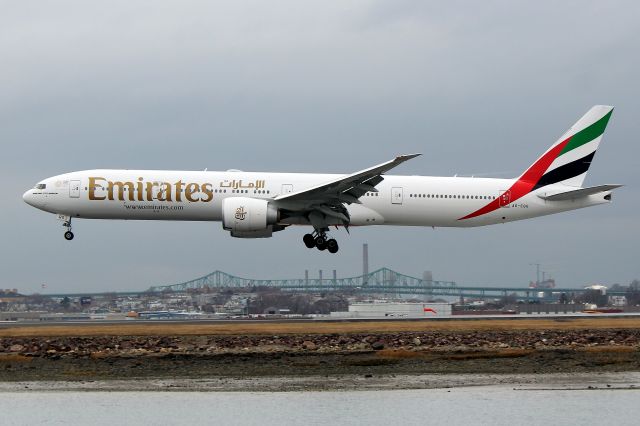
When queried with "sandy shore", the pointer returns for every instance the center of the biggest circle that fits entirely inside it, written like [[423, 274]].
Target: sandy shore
[[557, 381]]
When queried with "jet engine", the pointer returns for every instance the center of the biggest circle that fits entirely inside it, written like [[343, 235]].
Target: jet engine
[[249, 217]]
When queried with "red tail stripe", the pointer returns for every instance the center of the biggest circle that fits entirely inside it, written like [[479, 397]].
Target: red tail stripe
[[526, 182]]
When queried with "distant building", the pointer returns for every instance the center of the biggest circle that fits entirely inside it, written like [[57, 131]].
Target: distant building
[[597, 287], [395, 310], [618, 301], [550, 283]]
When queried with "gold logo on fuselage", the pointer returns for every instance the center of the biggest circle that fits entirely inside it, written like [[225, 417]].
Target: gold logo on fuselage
[[150, 191], [101, 188]]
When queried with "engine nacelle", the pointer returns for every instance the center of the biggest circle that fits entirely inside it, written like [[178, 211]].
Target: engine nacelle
[[248, 217]]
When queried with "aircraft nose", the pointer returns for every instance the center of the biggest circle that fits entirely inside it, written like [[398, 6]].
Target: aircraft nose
[[28, 197]]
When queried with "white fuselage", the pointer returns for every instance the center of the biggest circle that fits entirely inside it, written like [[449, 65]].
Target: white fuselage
[[198, 196]]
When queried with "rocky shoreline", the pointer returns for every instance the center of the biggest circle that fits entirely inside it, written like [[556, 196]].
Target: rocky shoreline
[[100, 346], [295, 355]]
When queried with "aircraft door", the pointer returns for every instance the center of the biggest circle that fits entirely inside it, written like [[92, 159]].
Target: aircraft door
[[396, 195], [504, 198], [74, 189]]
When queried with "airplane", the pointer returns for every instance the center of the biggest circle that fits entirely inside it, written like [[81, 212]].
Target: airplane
[[257, 204]]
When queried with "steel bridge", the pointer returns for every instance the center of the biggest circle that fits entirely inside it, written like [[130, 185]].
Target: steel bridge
[[383, 281]]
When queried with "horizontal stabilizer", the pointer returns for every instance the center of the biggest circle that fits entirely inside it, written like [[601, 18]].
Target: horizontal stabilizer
[[577, 193]]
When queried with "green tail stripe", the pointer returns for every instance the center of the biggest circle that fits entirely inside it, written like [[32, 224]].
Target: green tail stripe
[[587, 134]]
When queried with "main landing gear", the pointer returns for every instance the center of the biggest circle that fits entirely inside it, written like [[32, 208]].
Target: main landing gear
[[67, 224], [320, 241]]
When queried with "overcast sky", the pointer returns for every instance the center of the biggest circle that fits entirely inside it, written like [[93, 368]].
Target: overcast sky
[[313, 86]]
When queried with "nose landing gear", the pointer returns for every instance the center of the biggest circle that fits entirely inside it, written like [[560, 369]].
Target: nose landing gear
[[320, 241], [67, 224]]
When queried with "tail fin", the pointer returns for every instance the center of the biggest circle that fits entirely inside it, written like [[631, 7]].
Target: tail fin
[[568, 160]]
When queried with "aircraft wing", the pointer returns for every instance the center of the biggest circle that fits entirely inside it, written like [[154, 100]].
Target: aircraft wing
[[328, 199]]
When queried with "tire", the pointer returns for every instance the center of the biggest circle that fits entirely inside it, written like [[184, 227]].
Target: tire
[[68, 235], [332, 246], [309, 241], [320, 241]]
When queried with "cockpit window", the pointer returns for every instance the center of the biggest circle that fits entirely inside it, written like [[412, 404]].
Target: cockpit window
[[41, 186]]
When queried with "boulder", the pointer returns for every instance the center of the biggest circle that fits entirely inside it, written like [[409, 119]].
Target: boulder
[[376, 346], [16, 348], [309, 345]]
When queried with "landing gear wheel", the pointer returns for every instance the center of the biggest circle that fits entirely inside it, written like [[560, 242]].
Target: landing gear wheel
[[332, 246], [67, 224], [309, 241], [321, 241]]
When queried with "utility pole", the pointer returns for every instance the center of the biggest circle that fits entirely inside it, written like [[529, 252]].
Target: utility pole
[[537, 265], [365, 262]]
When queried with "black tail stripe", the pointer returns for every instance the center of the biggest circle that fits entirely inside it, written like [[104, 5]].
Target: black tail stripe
[[569, 170]]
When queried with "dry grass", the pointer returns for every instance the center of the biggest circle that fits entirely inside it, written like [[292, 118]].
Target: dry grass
[[398, 354], [610, 349], [14, 358], [131, 328], [98, 355]]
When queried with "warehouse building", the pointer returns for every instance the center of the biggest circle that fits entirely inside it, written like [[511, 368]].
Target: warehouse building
[[395, 310]]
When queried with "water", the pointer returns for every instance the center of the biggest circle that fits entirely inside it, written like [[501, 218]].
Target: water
[[485, 405]]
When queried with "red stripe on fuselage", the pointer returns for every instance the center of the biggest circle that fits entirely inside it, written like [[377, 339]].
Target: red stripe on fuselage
[[526, 182]]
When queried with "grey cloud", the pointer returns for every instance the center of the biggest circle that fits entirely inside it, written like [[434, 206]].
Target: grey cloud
[[312, 86]]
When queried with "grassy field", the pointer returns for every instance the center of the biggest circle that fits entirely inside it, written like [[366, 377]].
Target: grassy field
[[132, 328]]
